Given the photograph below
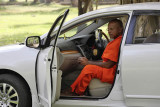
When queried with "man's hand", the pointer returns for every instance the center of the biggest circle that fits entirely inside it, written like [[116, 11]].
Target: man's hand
[[108, 64], [83, 60]]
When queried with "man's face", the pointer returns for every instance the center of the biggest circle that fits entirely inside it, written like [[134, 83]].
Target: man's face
[[114, 30]]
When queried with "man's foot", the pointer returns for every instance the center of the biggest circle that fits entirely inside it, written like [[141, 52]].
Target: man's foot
[[68, 92]]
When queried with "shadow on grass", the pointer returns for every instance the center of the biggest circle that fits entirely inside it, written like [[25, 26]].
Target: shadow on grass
[[60, 10], [25, 25], [53, 11], [16, 38]]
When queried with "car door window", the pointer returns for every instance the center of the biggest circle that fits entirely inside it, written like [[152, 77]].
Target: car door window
[[147, 29]]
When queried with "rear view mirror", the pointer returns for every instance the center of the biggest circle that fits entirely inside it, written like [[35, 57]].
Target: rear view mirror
[[33, 42]]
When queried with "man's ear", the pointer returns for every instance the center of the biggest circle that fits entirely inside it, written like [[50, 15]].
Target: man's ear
[[120, 30]]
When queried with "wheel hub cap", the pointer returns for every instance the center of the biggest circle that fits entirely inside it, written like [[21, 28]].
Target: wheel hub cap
[[8, 96]]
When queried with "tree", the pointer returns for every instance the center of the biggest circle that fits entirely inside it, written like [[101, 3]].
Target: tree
[[44, 1], [41, 1], [74, 3], [35, 1], [47, 1], [12, 0], [84, 5]]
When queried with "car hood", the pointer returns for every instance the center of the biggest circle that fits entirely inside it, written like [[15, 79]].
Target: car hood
[[15, 55], [10, 48], [17, 50]]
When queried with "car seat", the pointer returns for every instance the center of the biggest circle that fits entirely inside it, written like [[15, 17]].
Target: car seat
[[154, 38], [60, 60], [98, 88]]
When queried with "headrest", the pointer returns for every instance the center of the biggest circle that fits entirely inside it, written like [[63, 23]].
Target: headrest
[[155, 38]]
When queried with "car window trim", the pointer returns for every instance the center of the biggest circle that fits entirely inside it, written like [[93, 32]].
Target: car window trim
[[49, 36], [146, 12], [95, 18], [130, 34]]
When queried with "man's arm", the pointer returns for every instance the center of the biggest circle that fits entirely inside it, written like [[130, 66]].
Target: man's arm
[[108, 64]]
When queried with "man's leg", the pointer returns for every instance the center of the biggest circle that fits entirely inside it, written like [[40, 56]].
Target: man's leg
[[83, 80]]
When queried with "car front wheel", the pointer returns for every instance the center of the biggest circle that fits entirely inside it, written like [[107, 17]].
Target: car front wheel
[[14, 92]]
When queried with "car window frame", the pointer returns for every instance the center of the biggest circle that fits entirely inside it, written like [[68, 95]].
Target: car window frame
[[95, 18], [117, 71], [136, 13], [70, 28], [61, 18]]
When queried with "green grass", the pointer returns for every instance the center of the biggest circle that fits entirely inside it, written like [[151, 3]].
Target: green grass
[[20, 21]]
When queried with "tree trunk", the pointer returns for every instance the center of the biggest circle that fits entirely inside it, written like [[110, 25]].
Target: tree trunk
[[47, 1], [97, 2], [12, 0], [86, 5], [57, 1], [35, 1], [91, 5], [74, 3], [83, 6], [41, 1], [80, 9]]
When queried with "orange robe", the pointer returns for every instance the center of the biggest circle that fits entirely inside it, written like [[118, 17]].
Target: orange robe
[[93, 71]]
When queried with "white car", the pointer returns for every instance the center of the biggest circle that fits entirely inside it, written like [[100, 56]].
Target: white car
[[33, 74]]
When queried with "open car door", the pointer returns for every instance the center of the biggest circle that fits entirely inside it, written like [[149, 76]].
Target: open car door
[[47, 63]]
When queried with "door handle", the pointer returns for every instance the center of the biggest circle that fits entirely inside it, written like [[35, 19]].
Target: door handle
[[47, 59]]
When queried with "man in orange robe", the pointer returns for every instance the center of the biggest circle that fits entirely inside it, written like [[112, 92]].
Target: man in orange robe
[[103, 70]]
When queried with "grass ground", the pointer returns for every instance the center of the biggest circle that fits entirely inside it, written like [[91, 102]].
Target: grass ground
[[20, 21]]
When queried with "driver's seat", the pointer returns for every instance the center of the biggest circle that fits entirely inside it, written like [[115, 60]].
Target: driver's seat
[[98, 88]]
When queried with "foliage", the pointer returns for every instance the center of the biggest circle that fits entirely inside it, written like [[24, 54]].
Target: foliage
[[2, 8]]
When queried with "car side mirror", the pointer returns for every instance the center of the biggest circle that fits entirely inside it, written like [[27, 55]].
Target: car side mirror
[[33, 41]]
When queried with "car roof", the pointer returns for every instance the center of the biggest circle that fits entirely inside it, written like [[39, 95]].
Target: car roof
[[119, 9], [114, 9], [131, 7]]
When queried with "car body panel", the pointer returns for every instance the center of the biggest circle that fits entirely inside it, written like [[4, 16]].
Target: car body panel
[[43, 76], [142, 72], [22, 60]]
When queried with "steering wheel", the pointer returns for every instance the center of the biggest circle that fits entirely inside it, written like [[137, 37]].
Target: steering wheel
[[105, 36], [100, 40], [99, 46]]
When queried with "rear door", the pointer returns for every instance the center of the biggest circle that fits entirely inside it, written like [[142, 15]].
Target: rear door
[[47, 65], [141, 60]]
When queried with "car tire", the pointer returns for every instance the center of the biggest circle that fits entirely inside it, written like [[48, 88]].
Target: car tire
[[14, 92]]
